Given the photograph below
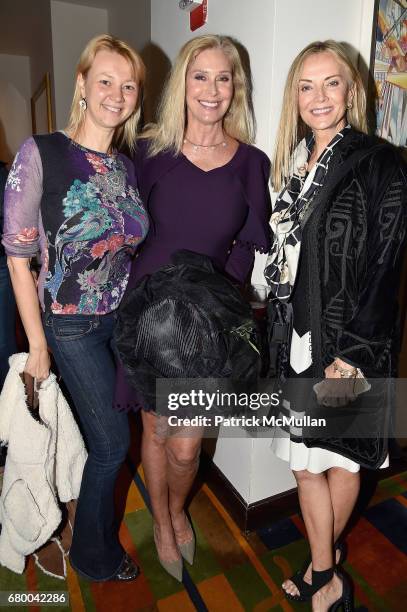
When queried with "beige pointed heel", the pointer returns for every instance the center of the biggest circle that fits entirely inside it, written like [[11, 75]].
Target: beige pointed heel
[[173, 568], [187, 549]]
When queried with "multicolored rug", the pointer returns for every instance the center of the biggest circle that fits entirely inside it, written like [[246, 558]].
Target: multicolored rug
[[237, 573]]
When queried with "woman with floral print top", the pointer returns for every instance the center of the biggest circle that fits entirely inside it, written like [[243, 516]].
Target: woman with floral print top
[[85, 243], [73, 198]]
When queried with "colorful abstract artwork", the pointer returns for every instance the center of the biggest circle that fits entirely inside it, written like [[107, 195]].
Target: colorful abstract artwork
[[390, 71]]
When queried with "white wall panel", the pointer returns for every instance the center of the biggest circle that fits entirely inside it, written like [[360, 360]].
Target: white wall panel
[[72, 27], [15, 113]]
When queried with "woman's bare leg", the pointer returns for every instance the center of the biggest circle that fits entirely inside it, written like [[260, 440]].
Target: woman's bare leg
[[344, 490], [316, 507], [317, 512], [344, 487], [183, 451], [155, 464], [326, 503]]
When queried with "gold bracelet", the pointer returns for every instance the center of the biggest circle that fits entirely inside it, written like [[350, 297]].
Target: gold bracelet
[[345, 372]]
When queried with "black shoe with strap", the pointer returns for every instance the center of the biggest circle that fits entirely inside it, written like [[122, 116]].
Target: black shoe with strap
[[306, 590]]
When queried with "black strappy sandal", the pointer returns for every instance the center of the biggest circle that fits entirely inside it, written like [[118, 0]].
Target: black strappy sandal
[[319, 580], [302, 586], [306, 590]]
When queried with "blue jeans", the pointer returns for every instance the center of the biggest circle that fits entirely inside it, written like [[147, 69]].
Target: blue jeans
[[82, 348], [8, 345]]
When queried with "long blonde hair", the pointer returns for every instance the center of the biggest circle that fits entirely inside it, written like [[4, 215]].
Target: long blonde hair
[[291, 127], [126, 133], [168, 132]]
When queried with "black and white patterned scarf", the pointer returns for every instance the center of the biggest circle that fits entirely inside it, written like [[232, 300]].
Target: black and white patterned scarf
[[290, 207]]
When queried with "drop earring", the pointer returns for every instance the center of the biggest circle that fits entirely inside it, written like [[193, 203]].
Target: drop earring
[[83, 104]]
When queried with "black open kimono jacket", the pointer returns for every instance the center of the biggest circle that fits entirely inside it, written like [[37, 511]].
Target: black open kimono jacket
[[355, 239]]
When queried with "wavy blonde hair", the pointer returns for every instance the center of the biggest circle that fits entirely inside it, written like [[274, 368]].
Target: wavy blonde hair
[[291, 127], [168, 132], [126, 133]]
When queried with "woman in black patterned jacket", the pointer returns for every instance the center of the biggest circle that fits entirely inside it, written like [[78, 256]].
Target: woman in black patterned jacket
[[339, 226]]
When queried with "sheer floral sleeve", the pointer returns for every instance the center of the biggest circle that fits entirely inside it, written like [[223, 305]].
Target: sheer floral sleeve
[[22, 200]]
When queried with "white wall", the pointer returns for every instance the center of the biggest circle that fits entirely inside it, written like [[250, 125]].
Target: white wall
[[131, 21], [273, 32], [25, 30], [299, 22], [251, 23], [15, 113], [72, 27], [41, 44]]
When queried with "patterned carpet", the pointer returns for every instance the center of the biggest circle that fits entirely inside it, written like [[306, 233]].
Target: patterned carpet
[[236, 573]]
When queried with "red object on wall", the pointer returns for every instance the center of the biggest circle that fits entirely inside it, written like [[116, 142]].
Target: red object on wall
[[199, 16]]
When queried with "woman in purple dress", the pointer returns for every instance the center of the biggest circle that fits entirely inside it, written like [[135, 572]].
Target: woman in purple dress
[[72, 197], [206, 189]]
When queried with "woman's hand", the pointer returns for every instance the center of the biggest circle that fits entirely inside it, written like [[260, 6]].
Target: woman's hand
[[38, 363], [338, 388], [334, 372]]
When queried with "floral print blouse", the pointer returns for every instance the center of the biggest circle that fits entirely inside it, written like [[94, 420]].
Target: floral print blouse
[[81, 210]]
